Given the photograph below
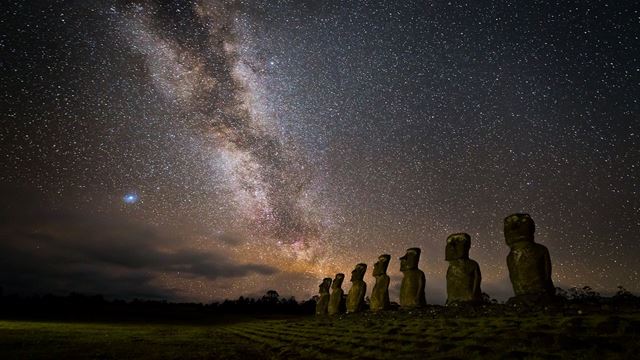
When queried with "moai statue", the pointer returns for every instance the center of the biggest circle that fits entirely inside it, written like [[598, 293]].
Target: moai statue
[[463, 274], [355, 298], [529, 263], [413, 282], [380, 294], [336, 301], [323, 303]]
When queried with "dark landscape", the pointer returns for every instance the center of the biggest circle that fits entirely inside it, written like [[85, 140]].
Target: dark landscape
[[586, 325]]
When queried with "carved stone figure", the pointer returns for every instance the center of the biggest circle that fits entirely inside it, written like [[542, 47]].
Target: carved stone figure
[[355, 298], [323, 303], [380, 293], [413, 281], [463, 274], [529, 263], [336, 301]]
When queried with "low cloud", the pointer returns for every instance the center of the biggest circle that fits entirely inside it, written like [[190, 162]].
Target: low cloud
[[60, 251]]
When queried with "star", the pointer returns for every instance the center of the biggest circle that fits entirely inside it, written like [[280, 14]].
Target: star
[[130, 198]]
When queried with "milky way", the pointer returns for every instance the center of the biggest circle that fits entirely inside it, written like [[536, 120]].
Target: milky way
[[213, 83], [207, 149]]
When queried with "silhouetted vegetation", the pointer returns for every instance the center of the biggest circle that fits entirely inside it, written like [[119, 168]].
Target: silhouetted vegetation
[[77, 306], [587, 295], [270, 303], [487, 299]]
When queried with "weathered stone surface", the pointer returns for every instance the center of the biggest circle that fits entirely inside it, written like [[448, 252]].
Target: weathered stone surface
[[463, 274], [380, 293], [322, 306], [529, 263], [336, 301], [355, 298], [413, 281]]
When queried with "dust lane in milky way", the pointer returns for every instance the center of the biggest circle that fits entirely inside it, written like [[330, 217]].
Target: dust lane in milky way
[[208, 149]]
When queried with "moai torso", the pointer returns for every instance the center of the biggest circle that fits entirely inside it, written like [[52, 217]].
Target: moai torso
[[323, 303], [463, 274], [355, 298], [530, 269], [413, 281], [336, 301], [529, 263], [380, 293]]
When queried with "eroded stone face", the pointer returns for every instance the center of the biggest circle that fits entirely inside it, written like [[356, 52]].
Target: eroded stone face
[[355, 298], [410, 260], [337, 281], [380, 267], [463, 274], [324, 286], [518, 227], [529, 263], [336, 300], [380, 293], [458, 246], [322, 306], [413, 281]]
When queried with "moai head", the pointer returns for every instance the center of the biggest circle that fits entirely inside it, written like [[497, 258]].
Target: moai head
[[518, 227], [358, 273], [380, 267], [458, 246], [410, 260], [337, 282], [325, 285]]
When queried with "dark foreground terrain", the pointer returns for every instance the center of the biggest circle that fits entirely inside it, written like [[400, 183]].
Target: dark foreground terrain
[[434, 332]]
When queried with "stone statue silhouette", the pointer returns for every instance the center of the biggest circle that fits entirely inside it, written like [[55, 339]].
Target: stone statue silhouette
[[336, 301], [380, 293], [355, 298], [323, 303], [463, 274], [413, 281], [529, 263]]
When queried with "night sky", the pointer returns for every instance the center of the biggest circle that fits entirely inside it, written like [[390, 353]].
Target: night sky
[[201, 150]]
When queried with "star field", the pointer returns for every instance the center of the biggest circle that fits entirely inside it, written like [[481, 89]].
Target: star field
[[209, 149]]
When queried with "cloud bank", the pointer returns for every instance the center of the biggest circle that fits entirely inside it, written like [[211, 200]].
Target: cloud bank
[[45, 250]]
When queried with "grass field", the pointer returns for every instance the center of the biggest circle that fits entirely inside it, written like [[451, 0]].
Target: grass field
[[388, 335]]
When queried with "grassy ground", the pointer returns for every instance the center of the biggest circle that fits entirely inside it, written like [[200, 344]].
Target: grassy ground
[[393, 335]]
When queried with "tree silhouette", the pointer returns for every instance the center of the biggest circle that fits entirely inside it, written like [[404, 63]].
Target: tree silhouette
[[271, 296]]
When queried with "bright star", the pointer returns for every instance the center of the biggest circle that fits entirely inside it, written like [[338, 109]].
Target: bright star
[[130, 198]]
